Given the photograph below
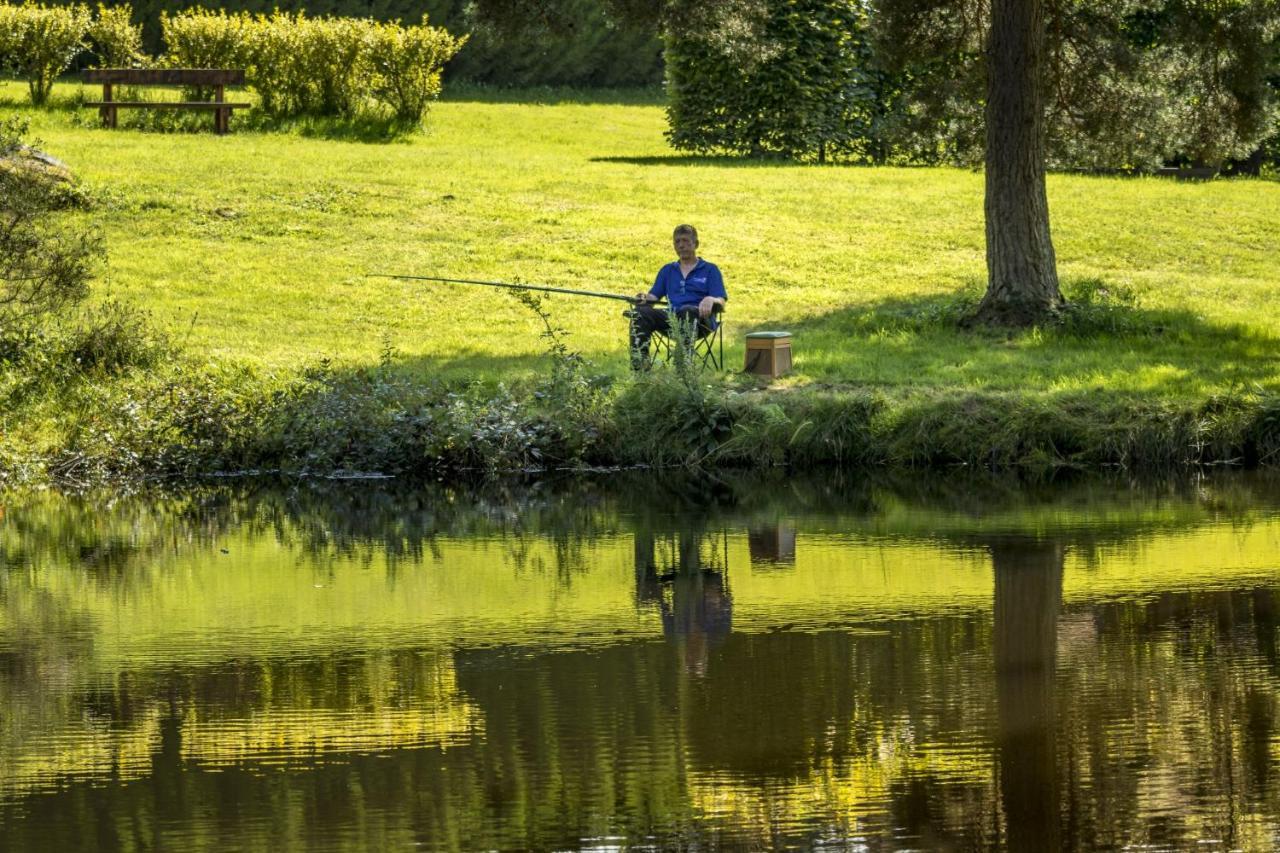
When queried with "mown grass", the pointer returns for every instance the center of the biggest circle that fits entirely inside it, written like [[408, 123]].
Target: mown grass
[[253, 250], [264, 239]]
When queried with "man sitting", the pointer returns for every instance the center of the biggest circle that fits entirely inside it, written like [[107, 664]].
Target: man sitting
[[693, 288]]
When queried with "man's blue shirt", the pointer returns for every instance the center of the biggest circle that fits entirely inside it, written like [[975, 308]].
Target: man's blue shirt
[[682, 291]]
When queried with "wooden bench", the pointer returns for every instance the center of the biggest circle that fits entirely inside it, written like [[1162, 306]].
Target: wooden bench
[[217, 78]]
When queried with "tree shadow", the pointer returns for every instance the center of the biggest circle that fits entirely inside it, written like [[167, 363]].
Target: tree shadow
[[553, 95], [1104, 343], [721, 160]]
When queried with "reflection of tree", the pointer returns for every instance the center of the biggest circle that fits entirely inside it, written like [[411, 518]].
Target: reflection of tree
[[1028, 600], [1116, 723]]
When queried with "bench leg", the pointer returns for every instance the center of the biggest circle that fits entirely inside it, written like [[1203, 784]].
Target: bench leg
[[107, 112]]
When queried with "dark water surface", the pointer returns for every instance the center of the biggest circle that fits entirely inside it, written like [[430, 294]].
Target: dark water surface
[[644, 663]]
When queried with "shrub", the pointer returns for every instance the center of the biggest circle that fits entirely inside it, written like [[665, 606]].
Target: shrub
[[199, 38], [336, 51], [43, 41], [319, 66], [407, 62], [9, 34], [275, 69], [45, 263], [116, 40]]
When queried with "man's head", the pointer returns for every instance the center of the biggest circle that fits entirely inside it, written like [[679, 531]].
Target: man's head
[[685, 238]]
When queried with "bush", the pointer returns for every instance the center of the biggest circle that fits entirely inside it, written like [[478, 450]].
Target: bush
[[300, 65], [45, 263], [275, 70], [116, 40], [42, 41], [337, 53], [198, 38], [407, 62], [317, 66], [9, 33]]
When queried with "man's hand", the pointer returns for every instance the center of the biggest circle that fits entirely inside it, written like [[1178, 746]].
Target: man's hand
[[646, 297], [706, 306]]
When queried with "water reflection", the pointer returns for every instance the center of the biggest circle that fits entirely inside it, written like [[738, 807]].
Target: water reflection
[[1028, 603], [687, 583], [554, 668]]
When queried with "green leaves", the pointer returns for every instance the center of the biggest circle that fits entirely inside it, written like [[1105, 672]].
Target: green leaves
[[317, 66], [40, 42], [787, 78]]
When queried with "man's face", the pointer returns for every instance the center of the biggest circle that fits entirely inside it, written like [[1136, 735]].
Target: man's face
[[686, 246]]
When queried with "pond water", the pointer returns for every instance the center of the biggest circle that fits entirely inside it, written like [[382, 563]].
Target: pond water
[[644, 662]]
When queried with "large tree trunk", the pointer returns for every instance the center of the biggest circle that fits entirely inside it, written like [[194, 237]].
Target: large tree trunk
[[1022, 275]]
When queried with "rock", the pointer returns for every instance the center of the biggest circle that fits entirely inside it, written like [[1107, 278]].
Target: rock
[[28, 164], [32, 160]]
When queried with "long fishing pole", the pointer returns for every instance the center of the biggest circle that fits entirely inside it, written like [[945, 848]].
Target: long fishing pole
[[629, 299]]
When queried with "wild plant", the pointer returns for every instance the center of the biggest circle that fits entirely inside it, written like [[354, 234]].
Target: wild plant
[[46, 262], [572, 395]]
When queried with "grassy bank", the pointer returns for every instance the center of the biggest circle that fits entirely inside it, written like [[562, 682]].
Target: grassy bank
[[250, 253]]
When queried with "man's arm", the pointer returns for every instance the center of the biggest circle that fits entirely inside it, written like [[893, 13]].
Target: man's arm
[[658, 291], [716, 296]]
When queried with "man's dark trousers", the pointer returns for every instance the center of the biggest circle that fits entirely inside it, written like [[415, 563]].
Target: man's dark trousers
[[645, 320]]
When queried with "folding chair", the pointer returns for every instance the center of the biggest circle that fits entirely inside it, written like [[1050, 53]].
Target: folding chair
[[707, 350]]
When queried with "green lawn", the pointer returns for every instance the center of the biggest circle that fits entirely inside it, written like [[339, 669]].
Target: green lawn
[[255, 247]]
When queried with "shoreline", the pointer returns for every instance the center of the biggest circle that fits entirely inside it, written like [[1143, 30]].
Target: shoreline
[[377, 422]]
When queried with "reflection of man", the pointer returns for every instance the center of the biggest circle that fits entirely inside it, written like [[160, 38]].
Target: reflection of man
[[694, 602], [694, 290]]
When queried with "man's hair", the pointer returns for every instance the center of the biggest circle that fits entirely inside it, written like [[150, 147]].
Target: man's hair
[[685, 229]]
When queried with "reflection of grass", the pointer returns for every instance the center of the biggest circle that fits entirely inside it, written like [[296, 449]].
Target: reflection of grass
[[552, 188], [290, 729]]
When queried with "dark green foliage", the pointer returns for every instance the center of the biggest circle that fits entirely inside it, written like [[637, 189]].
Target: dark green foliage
[[671, 418], [789, 78], [580, 44], [1129, 85], [572, 43]]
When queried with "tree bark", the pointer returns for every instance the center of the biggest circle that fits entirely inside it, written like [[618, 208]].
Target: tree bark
[[1022, 275]]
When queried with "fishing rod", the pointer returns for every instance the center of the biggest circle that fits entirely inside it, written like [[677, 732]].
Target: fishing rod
[[598, 295]]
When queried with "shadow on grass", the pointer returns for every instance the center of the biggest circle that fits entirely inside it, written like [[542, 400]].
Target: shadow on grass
[[722, 160], [372, 129], [57, 103], [369, 128], [1105, 340], [553, 95]]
